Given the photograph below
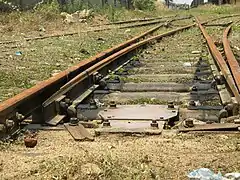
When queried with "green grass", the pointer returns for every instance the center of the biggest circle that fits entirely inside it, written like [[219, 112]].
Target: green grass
[[42, 58]]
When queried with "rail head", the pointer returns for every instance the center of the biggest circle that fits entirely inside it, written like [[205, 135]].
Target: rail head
[[217, 56], [231, 60]]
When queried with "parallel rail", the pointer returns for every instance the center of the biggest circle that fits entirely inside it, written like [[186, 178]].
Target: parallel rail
[[220, 62], [231, 60], [44, 95], [30, 101]]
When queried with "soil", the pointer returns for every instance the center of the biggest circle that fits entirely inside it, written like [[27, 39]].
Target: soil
[[170, 156]]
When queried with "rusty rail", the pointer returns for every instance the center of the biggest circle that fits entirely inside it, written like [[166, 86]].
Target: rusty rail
[[220, 62], [52, 84], [34, 99], [48, 87], [95, 30], [64, 89], [233, 64], [31, 99], [136, 20]]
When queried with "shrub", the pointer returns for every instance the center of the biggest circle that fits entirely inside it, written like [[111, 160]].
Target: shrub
[[6, 6], [144, 4]]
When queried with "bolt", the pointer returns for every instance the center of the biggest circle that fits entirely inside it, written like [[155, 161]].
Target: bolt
[[198, 70], [106, 123], [161, 118], [73, 121], [102, 83], [170, 105], [222, 114], [113, 104], [19, 116], [229, 107], [219, 79], [192, 103], [194, 88], [9, 123], [154, 124], [195, 78], [189, 123]]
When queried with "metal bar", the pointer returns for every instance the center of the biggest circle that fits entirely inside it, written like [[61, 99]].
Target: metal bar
[[233, 64], [220, 61]]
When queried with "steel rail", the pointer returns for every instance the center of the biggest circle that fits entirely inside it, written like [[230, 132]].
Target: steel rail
[[68, 86], [220, 61], [136, 20], [31, 99], [86, 31], [224, 17], [94, 30], [231, 60], [47, 88]]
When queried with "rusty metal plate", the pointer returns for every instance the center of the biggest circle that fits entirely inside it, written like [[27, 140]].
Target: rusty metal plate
[[79, 133], [139, 112]]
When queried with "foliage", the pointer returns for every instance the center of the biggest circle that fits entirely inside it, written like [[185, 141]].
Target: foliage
[[7, 6], [144, 4], [47, 7], [73, 6]]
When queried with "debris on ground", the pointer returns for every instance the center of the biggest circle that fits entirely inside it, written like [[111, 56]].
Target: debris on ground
[[233, 176], [78, 16], [30, 139], [18, 53], [196, 52], [187, 64], [207, 174], [204, 174]]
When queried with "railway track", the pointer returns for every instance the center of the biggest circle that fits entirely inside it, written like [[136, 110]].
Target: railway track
[[104, 27], [166, 81]]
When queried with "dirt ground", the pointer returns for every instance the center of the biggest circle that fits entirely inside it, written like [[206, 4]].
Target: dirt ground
[[169, 156]]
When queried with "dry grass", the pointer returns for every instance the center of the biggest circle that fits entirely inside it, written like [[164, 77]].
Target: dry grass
[[42, 58], [120, 157]]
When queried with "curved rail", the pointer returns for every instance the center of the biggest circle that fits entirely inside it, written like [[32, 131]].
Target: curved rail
[[233, 64], [108, 60], [46, 88], [137, 20], [152, 22], [34, 99], [220, 62]]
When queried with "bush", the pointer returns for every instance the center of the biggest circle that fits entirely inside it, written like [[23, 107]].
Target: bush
[[144, 4], [6, 6]]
